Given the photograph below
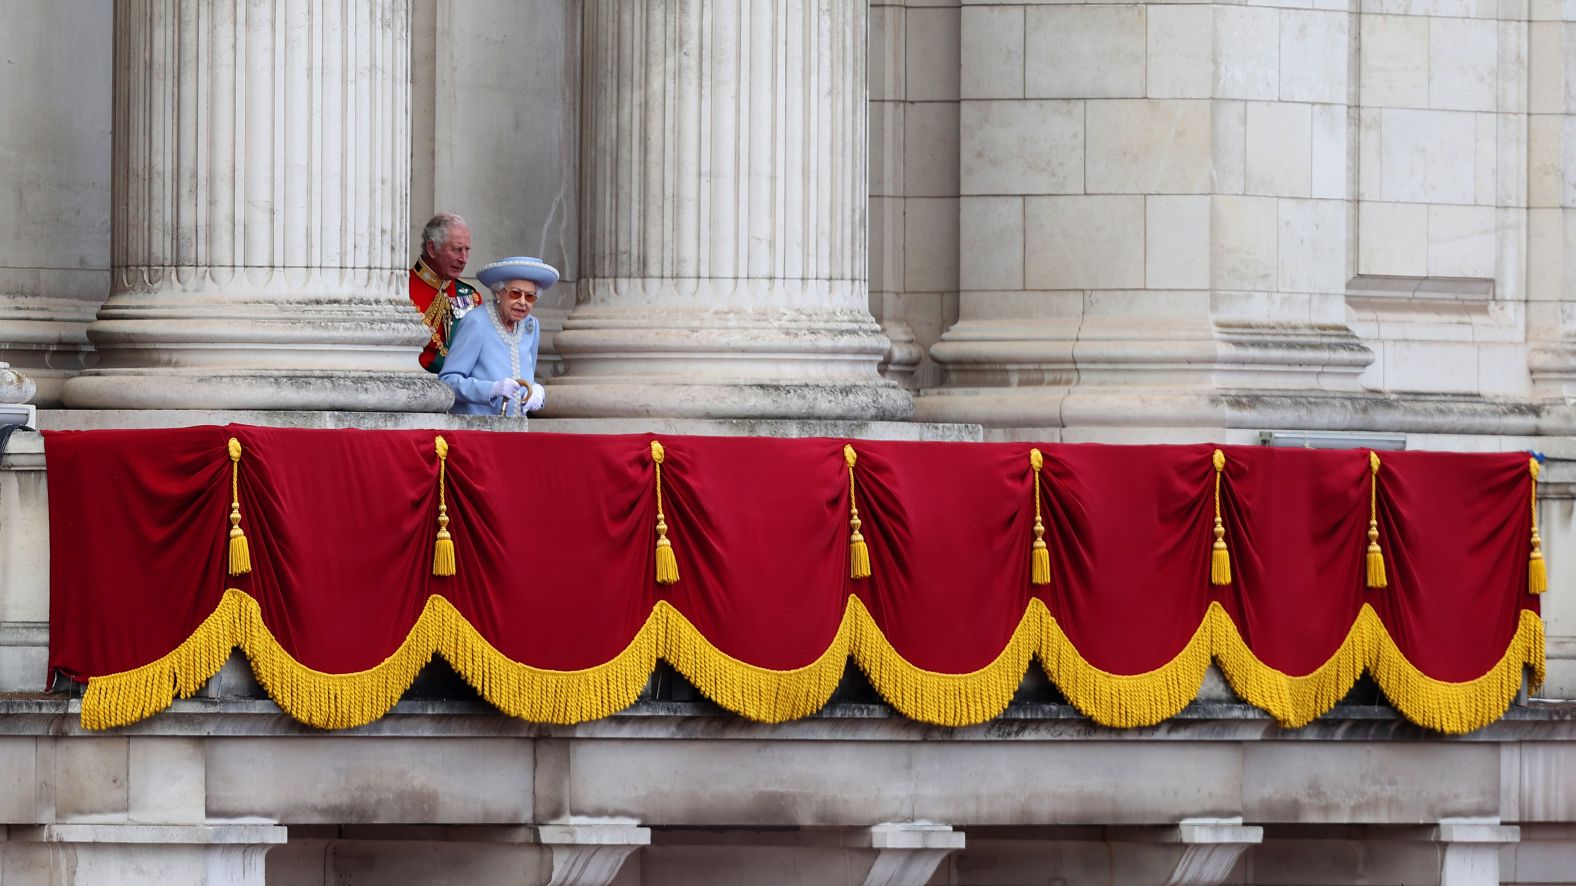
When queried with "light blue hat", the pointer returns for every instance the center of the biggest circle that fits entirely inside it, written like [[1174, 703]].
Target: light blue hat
[[521, 267]]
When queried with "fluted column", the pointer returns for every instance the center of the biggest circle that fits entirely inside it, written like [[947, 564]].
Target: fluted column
[[723, 233], [261, 198]]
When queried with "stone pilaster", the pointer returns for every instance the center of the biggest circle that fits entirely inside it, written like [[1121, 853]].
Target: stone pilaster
[[261, 197], [723, 251], [1153, 221], [888, 27], [1551, 221]]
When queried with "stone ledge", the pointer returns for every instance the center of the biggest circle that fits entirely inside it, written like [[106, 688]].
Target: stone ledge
[[97, 419], [37, 714], [751, 427], [178, 835]]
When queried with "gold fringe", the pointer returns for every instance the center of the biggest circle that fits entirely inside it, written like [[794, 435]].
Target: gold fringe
[[443, 547], [667, 564], [1123, 700], [1039, 554], [240, 552], [944, 699], [1537, 569], [1219, 557], [758, 693], [1459, 708], [342, 701], [128, 696], [546, 696], [1375, 557], [1292, 700], [858, 551]]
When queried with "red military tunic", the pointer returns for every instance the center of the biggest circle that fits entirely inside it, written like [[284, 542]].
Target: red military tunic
[[439, 314]]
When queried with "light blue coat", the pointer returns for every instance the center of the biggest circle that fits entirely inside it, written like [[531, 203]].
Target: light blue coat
[[479, 356]]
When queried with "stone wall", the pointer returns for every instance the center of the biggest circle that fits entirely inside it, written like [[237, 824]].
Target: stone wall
[[55, 131], [494, 135]]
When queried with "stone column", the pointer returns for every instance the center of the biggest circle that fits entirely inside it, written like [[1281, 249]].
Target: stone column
[[724, 199], [261, 199]]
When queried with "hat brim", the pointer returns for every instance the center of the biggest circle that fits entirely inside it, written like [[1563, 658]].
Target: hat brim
[[542, 274]]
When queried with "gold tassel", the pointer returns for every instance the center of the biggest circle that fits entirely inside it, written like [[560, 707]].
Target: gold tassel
[[1040, 558], [1219, 557], [240, 551], [858, 551], [443, 548], [1537, 570], [1376, 576], [667, 564]]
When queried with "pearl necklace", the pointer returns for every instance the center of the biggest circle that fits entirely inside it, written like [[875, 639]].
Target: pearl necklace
[[512, 341]]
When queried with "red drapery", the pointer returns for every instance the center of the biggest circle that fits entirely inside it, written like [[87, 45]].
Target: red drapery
[[553, 611]]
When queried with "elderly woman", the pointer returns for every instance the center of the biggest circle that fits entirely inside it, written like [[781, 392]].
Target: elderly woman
[[492, 359]]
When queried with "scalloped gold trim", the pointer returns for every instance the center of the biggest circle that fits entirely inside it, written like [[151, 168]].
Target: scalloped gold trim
[[342, 701], [944, 699]]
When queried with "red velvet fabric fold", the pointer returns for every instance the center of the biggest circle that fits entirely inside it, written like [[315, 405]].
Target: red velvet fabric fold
[[554, 539]]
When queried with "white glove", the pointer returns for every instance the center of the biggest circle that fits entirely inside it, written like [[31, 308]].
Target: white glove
[[506, 388], [537, 398]]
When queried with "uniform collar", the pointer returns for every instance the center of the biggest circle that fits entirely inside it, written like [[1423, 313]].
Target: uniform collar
[[429, 276]]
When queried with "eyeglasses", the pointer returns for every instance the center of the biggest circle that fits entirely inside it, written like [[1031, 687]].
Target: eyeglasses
[[520, 293]]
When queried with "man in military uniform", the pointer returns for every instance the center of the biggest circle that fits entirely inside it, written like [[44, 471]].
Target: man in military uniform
[[435, 286]]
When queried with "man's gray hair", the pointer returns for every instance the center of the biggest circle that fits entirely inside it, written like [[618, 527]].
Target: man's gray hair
[[437, 229]]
